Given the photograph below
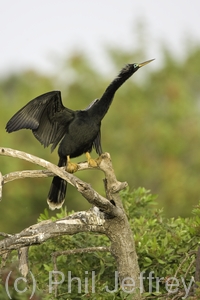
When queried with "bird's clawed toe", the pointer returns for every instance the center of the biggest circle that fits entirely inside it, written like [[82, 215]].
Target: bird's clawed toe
[[91, 162], [71, 167]]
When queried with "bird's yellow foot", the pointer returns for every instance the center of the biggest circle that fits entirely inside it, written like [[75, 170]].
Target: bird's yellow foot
[[71, 167], [91, 162]]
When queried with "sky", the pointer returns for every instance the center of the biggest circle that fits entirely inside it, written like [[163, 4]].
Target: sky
[[36, 34]]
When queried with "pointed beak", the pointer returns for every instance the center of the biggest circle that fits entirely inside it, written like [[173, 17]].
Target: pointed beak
[[145, 63]]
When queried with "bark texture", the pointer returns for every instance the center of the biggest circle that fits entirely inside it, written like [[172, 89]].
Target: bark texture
[[106, 217]]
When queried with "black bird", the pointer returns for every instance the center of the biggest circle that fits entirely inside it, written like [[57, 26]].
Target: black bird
[[77, 131]]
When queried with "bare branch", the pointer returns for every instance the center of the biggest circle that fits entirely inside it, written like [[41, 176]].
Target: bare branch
[[81, 250], [4, 257], [85, 189], [38, 161], [104, 164], [23, 260], [114, 224], [27, 174], [5, 234], [83, 221]]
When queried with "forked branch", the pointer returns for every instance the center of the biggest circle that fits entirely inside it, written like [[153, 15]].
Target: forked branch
[[106, 217], [85, 189]]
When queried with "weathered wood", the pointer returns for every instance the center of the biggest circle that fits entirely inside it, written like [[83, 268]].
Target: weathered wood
[[106, 217]]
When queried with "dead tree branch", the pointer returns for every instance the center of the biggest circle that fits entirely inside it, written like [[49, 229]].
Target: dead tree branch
[[85, 189], [106, 217]]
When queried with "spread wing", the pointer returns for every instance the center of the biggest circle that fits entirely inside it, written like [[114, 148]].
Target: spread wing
[[97, 142], [45, 116]]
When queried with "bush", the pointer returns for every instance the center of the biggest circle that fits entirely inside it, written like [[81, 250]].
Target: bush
[[166, 248]]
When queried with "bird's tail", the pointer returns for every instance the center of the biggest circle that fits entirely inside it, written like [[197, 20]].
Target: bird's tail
[[58, 188]]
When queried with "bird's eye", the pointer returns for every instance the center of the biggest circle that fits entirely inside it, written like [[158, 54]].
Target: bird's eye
[[135, 65]]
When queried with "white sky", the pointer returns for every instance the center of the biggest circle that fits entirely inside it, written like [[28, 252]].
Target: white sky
[[34, 33]]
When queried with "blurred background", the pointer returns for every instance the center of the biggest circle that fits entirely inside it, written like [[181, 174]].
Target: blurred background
[[152, 129]]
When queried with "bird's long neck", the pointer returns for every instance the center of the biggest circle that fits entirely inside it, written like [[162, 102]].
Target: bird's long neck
[[101, 107]]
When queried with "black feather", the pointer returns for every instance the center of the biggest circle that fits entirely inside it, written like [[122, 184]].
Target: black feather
[[76, 131]]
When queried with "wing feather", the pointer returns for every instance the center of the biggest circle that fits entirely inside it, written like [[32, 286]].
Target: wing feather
[[45, 116], [97, 142]]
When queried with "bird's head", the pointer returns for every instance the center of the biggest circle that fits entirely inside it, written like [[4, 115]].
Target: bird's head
[[129, 69]]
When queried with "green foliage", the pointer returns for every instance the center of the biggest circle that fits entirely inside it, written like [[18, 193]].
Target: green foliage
[[166, 248]]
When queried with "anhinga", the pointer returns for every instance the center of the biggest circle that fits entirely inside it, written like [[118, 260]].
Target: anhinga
[[77, 131]]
